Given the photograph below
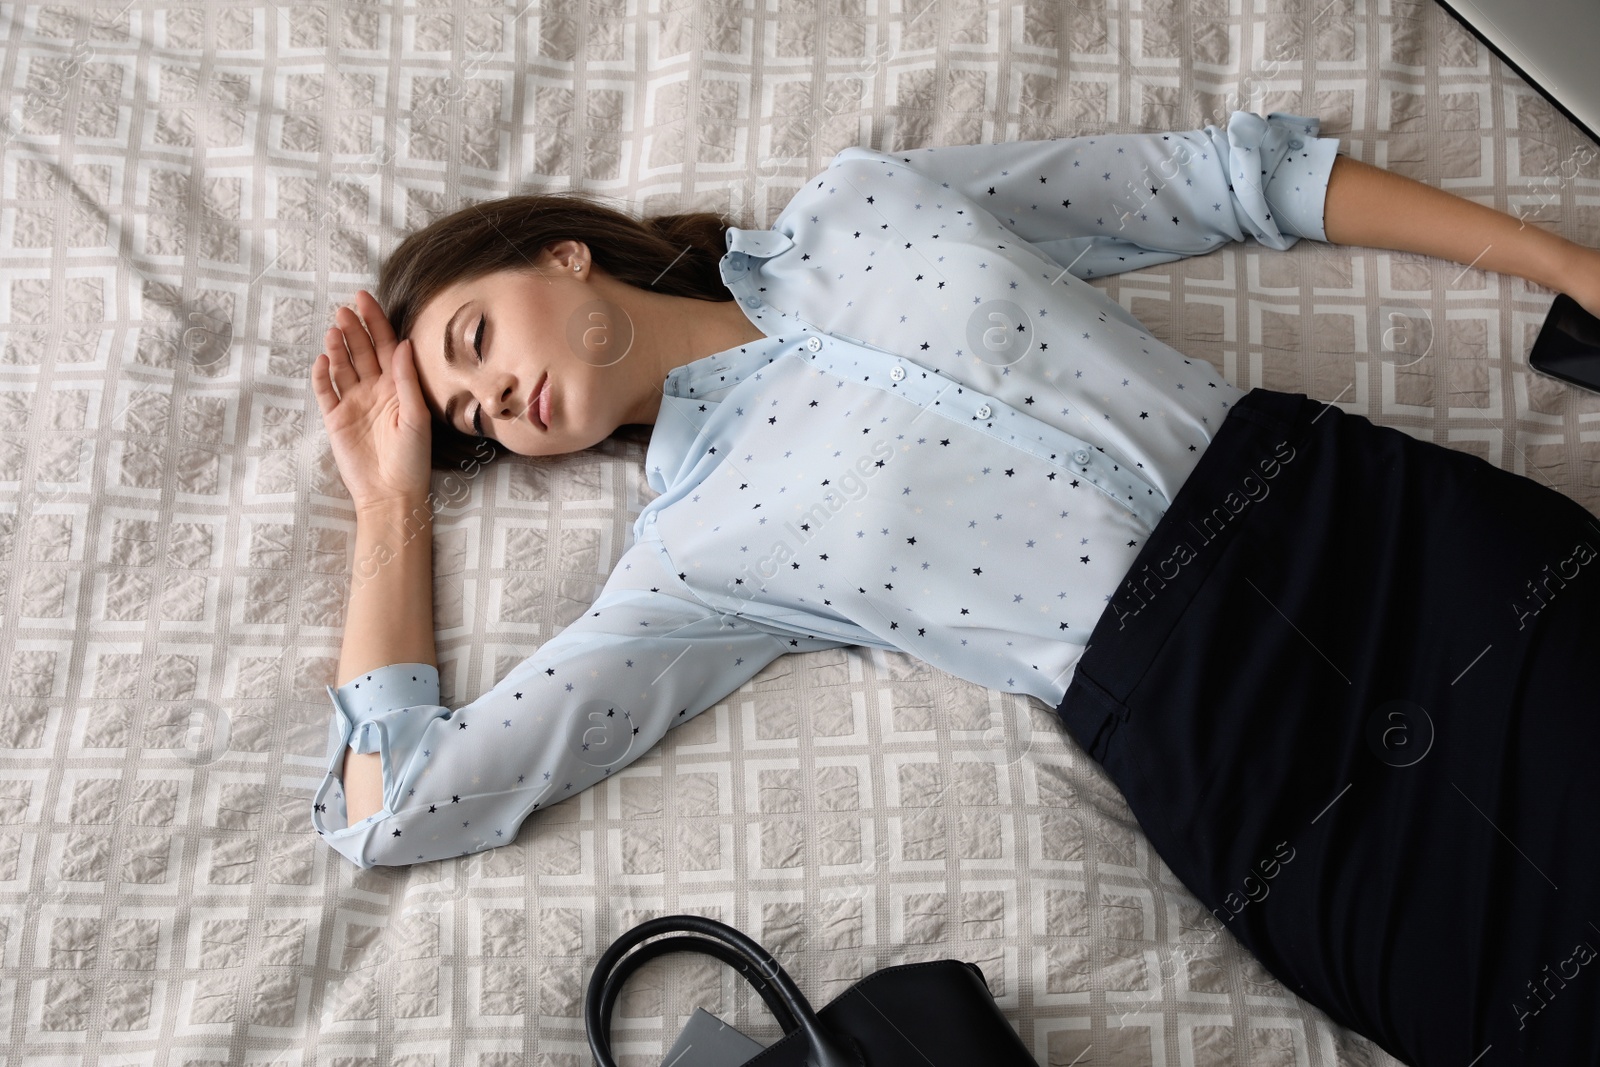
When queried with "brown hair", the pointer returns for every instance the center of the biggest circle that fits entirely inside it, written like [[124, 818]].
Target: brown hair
[[510, 233]]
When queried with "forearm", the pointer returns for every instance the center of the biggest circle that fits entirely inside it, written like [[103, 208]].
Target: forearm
[[1376, 208], [390, 620]]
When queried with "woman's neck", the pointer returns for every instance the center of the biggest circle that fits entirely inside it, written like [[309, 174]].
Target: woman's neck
[[735, 329], [709, 327]]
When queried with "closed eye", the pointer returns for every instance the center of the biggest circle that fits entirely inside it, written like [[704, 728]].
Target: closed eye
[[477, 346]]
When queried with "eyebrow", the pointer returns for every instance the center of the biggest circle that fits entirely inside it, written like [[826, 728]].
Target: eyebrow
[[450, 360]]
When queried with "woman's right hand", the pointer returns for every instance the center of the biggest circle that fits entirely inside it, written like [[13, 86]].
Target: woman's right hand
[[379, 427]]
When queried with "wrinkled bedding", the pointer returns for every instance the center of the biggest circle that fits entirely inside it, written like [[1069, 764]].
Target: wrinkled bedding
[[189, 189]]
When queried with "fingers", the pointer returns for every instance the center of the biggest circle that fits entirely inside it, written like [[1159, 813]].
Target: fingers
[[340, 369], [377, 322], [378, 328], [406, 387], [359, 345], [363, 356], [321, 386]]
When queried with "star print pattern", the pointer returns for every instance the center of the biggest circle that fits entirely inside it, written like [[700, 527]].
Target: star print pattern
[[864, 475], [589, 701], [1169, 195]]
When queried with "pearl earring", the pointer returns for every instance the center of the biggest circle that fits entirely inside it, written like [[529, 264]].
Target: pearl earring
[[577, 266]]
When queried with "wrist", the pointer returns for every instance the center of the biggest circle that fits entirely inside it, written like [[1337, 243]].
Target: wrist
[[1552, 261], [407, 520], [1578, 275], [395, 510]]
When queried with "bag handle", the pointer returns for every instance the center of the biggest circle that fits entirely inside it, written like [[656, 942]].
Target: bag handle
[[822, 1048], [688, 943]]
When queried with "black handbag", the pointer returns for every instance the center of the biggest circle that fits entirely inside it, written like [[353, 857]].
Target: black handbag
[[934, 1014]]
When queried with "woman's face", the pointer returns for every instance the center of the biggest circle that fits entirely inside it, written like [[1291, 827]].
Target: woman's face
[[513, 333]]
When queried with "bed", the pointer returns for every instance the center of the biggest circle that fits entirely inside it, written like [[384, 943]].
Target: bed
[[190, 189]]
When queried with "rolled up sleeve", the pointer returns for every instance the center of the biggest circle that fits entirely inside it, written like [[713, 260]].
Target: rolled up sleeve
[[1108, 203], [1298, 162], [385, 711]]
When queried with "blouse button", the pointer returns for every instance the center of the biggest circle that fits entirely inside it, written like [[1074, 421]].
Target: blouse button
[[1296, 144], [1080, 456], [814, 343], [983, 411], [897, 373]]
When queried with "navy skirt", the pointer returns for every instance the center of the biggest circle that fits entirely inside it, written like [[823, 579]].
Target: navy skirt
[[1350, 688]]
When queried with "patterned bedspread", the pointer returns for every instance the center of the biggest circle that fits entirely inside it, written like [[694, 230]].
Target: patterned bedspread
[[186, 192]]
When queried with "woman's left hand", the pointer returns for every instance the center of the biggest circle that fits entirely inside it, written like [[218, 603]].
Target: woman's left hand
[[1583, 283]]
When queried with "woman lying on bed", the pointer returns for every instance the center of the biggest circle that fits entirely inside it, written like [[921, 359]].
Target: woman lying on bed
[[1340, 674]]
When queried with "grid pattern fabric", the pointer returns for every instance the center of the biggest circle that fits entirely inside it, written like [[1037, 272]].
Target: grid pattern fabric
[[187, 190]]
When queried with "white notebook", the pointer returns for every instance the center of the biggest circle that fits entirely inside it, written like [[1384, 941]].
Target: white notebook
[[1551, 43]]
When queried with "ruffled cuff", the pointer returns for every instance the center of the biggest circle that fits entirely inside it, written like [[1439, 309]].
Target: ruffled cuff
[[1279, 167], [359, 705], [386, 711]]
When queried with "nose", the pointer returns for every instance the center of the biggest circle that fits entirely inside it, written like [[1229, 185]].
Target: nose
[[504, 400]]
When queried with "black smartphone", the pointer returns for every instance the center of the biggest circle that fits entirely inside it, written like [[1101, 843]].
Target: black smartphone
[[1568, 345]]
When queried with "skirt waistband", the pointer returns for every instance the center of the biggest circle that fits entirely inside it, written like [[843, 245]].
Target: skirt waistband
[[1262, 435]]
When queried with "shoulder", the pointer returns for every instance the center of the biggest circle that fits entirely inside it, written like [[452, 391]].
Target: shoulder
[[853, 175], [859, 152]]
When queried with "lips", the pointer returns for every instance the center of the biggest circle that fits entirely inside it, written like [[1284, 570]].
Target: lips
[[539, 405]]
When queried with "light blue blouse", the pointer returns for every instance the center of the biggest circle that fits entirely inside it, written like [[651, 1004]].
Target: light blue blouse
[[949, 444]]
